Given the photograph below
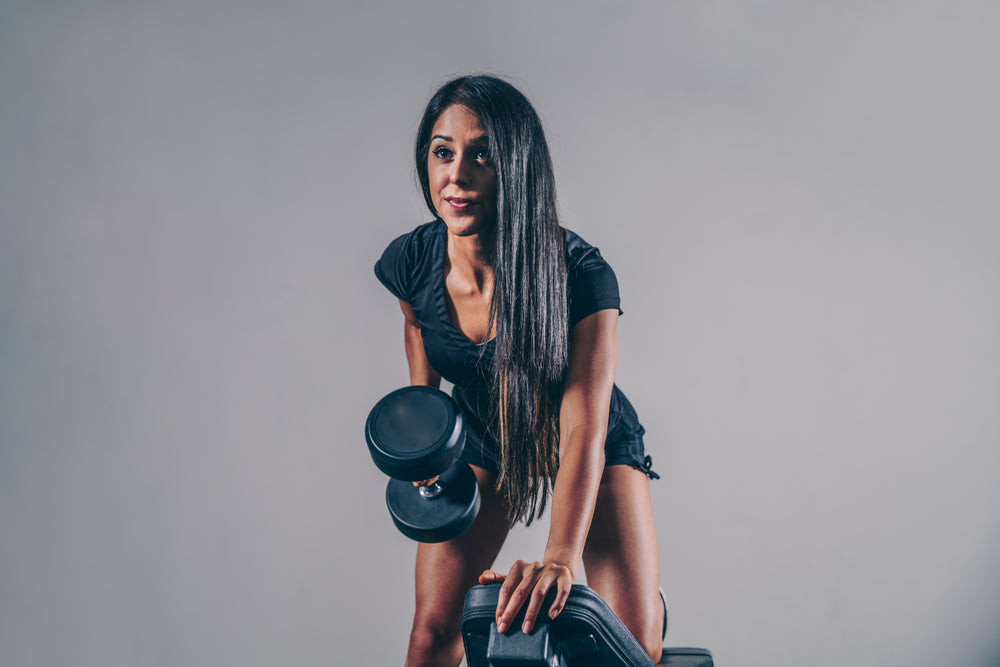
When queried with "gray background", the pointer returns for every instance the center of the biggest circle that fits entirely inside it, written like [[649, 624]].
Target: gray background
[[800, 201]]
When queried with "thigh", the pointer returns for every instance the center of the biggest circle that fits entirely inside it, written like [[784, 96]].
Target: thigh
[[445, 571], [621, 557]]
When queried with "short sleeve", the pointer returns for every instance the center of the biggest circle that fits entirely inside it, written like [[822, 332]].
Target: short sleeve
[[394, 269], [592, 285]]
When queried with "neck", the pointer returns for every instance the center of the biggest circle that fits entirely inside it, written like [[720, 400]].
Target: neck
[[468, 256]]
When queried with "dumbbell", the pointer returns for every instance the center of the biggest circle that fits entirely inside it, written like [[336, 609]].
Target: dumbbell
[[414, 434]]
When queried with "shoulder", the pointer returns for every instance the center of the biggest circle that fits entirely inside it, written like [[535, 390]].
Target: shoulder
[[580, 254], [418, 240], [407, 257], [591, 282]]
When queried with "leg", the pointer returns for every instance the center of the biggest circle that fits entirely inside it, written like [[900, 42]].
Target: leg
[[621, 557], [445, 572]]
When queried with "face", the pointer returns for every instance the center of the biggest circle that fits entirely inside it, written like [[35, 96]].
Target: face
[[460, 174]]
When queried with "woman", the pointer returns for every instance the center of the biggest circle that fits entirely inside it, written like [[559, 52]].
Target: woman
[[520, 315]]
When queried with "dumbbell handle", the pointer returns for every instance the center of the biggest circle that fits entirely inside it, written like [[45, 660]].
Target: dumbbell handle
[[431, 490]]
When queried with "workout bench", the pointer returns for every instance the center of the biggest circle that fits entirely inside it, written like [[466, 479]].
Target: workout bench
[[586, 633]]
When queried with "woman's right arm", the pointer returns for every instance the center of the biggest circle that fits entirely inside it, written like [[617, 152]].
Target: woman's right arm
[[421, 372]]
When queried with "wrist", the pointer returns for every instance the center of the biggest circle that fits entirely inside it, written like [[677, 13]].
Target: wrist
[[566, 558]]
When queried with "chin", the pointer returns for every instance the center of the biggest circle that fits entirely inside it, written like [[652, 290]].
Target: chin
[[463, 226]]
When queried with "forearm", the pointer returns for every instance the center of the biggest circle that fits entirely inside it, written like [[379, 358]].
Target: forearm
[[581, 465], [421, 371]]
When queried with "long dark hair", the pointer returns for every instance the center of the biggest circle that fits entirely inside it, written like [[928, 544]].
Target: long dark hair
[[528, 309]]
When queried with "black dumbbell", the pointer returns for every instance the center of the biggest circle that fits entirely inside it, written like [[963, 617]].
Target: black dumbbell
[[414, 434]]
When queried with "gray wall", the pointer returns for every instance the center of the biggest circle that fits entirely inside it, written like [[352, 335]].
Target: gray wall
[[799, 200]]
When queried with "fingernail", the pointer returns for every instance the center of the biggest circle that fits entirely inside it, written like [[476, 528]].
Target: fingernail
[[501, 627]]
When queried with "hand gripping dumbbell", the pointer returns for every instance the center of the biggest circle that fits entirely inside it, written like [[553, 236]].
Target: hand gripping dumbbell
[[414, 434]]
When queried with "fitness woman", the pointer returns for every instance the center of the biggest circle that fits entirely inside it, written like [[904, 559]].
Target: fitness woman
[[520, 315]]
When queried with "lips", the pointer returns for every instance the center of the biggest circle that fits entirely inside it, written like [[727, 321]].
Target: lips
[[459, 203]]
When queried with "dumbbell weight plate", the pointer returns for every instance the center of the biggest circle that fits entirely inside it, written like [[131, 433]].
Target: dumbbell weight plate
[[414, 433], [439, 518]]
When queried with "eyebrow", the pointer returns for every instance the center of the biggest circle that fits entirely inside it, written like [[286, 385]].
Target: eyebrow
[[481, 139]]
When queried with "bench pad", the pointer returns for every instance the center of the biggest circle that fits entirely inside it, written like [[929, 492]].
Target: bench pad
[[586, 632]]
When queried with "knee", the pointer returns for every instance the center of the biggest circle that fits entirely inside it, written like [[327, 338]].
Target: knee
[[653, 646], [648, 631], [433, 644]]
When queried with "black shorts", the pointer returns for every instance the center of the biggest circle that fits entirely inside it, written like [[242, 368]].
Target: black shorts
[[622, 446]]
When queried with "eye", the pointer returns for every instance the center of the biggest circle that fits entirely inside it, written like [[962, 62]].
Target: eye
[[441, 153], [483, 154]]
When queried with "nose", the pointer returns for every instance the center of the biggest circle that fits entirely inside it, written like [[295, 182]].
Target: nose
[[461, 170]]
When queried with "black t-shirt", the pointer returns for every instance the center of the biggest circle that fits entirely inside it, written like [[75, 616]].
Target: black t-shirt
[[412, 268]]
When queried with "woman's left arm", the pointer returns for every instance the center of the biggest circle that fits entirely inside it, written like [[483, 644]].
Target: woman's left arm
[[583, 424]]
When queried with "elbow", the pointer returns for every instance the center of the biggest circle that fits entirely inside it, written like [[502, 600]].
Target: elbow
[[584, 445]]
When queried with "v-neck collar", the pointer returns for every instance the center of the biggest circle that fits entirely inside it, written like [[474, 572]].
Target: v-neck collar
[[441, 292]]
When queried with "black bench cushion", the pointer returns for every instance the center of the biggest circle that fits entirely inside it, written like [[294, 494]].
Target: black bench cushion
[[586, 627]]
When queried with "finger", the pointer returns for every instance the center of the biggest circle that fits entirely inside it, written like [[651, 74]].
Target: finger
[[564, 585], [538, 593], [426, 482], [517, 599], [510, 583], [491, 577]]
